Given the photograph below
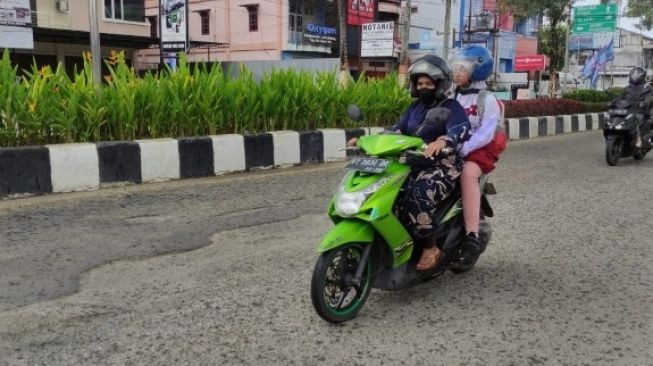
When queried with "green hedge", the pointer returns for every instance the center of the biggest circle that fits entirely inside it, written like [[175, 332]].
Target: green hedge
[[594, 96], [589, 107], [47, 106]]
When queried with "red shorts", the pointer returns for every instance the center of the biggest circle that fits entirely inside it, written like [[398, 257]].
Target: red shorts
[[486, 156]]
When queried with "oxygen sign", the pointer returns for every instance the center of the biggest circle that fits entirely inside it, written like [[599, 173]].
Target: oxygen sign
[[319, 34]]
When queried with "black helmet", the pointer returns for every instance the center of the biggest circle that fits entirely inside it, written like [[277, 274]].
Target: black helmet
[[434, 67], [637, 76]]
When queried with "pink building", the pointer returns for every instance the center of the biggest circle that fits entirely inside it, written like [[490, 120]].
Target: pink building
[[526, 46], [254, 30], [249, 30]]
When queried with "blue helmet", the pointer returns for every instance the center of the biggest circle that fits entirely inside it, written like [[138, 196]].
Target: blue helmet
[[477, 60]]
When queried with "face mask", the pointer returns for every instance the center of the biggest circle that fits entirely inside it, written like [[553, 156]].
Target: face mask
[[426, 95]]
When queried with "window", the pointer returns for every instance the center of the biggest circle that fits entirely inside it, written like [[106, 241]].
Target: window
[[252, 11], [32, 4], [130, 10], [295, 21], [205, 25], [299, 24], [295, 6], [154, 31]]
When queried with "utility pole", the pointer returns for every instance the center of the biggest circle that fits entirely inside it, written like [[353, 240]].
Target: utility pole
[[495, 49], [447, 26], [469, 24], [405, 37], [344, 56], [95, 41]]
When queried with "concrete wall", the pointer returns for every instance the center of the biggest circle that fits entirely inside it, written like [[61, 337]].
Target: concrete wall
[[259, 68]]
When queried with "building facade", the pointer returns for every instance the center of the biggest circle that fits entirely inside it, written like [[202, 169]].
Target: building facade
[[253, 30], [61, 32]]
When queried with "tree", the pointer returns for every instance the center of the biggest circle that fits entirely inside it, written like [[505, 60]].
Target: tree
[[642, 9], [552, 37], [447, 28], [545, 46]]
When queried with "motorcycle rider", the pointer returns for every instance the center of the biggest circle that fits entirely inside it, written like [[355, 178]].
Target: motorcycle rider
[[430, 182], [640, 95]]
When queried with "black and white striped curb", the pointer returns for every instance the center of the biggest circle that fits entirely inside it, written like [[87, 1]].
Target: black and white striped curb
[[88, 166], [531, 127]]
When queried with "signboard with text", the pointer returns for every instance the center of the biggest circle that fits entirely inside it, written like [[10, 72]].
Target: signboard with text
[[174, 25], [377, 39], [15, 12], [595, 18], [15, 24], [319, 35], [529, 63], [360, 11]]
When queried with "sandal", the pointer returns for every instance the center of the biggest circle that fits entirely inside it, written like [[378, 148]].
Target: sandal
[[430, 261]]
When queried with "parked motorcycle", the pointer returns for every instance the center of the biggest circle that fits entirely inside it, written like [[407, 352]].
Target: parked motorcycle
[[626, 133], [369, 247]]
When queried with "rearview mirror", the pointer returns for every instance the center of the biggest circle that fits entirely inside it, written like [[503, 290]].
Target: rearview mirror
[[355, 113]]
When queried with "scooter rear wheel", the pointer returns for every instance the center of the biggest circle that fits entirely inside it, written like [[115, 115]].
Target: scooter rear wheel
[[335, 298]]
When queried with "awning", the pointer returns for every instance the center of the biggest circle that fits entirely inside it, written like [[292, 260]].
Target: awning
[[53, 35]]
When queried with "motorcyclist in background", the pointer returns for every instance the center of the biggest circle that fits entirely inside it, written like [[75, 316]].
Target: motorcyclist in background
[[640, 96]]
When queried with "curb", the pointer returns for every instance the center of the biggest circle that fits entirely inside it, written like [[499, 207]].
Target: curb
[[532, 127], [90, 166]]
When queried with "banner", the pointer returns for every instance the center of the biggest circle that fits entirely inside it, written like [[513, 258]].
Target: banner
[[174, 25], [528, 63], [588, 69], [605, 55], [592, 41], [360, 11]]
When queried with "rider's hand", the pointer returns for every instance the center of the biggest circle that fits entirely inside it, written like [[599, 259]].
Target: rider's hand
[[434, 148], [352, 142]]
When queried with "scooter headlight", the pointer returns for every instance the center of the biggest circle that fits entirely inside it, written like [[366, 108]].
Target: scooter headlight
[[348, 204]]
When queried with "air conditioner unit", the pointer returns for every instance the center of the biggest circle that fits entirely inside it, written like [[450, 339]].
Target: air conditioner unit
[[482, 23], [62, 6]]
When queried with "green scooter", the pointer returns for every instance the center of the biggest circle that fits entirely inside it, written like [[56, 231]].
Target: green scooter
[[369, 247]]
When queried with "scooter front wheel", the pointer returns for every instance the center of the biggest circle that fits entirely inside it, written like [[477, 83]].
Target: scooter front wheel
[[613, 146], [335, 294]]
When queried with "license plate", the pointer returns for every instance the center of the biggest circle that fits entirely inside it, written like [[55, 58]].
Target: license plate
[[618, 111], [368, 165]]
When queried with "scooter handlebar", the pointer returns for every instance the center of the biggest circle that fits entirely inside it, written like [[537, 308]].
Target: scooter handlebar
[[444, 151]]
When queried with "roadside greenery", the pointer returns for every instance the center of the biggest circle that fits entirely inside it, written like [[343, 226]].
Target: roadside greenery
[[48, 106], [594, 96]]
